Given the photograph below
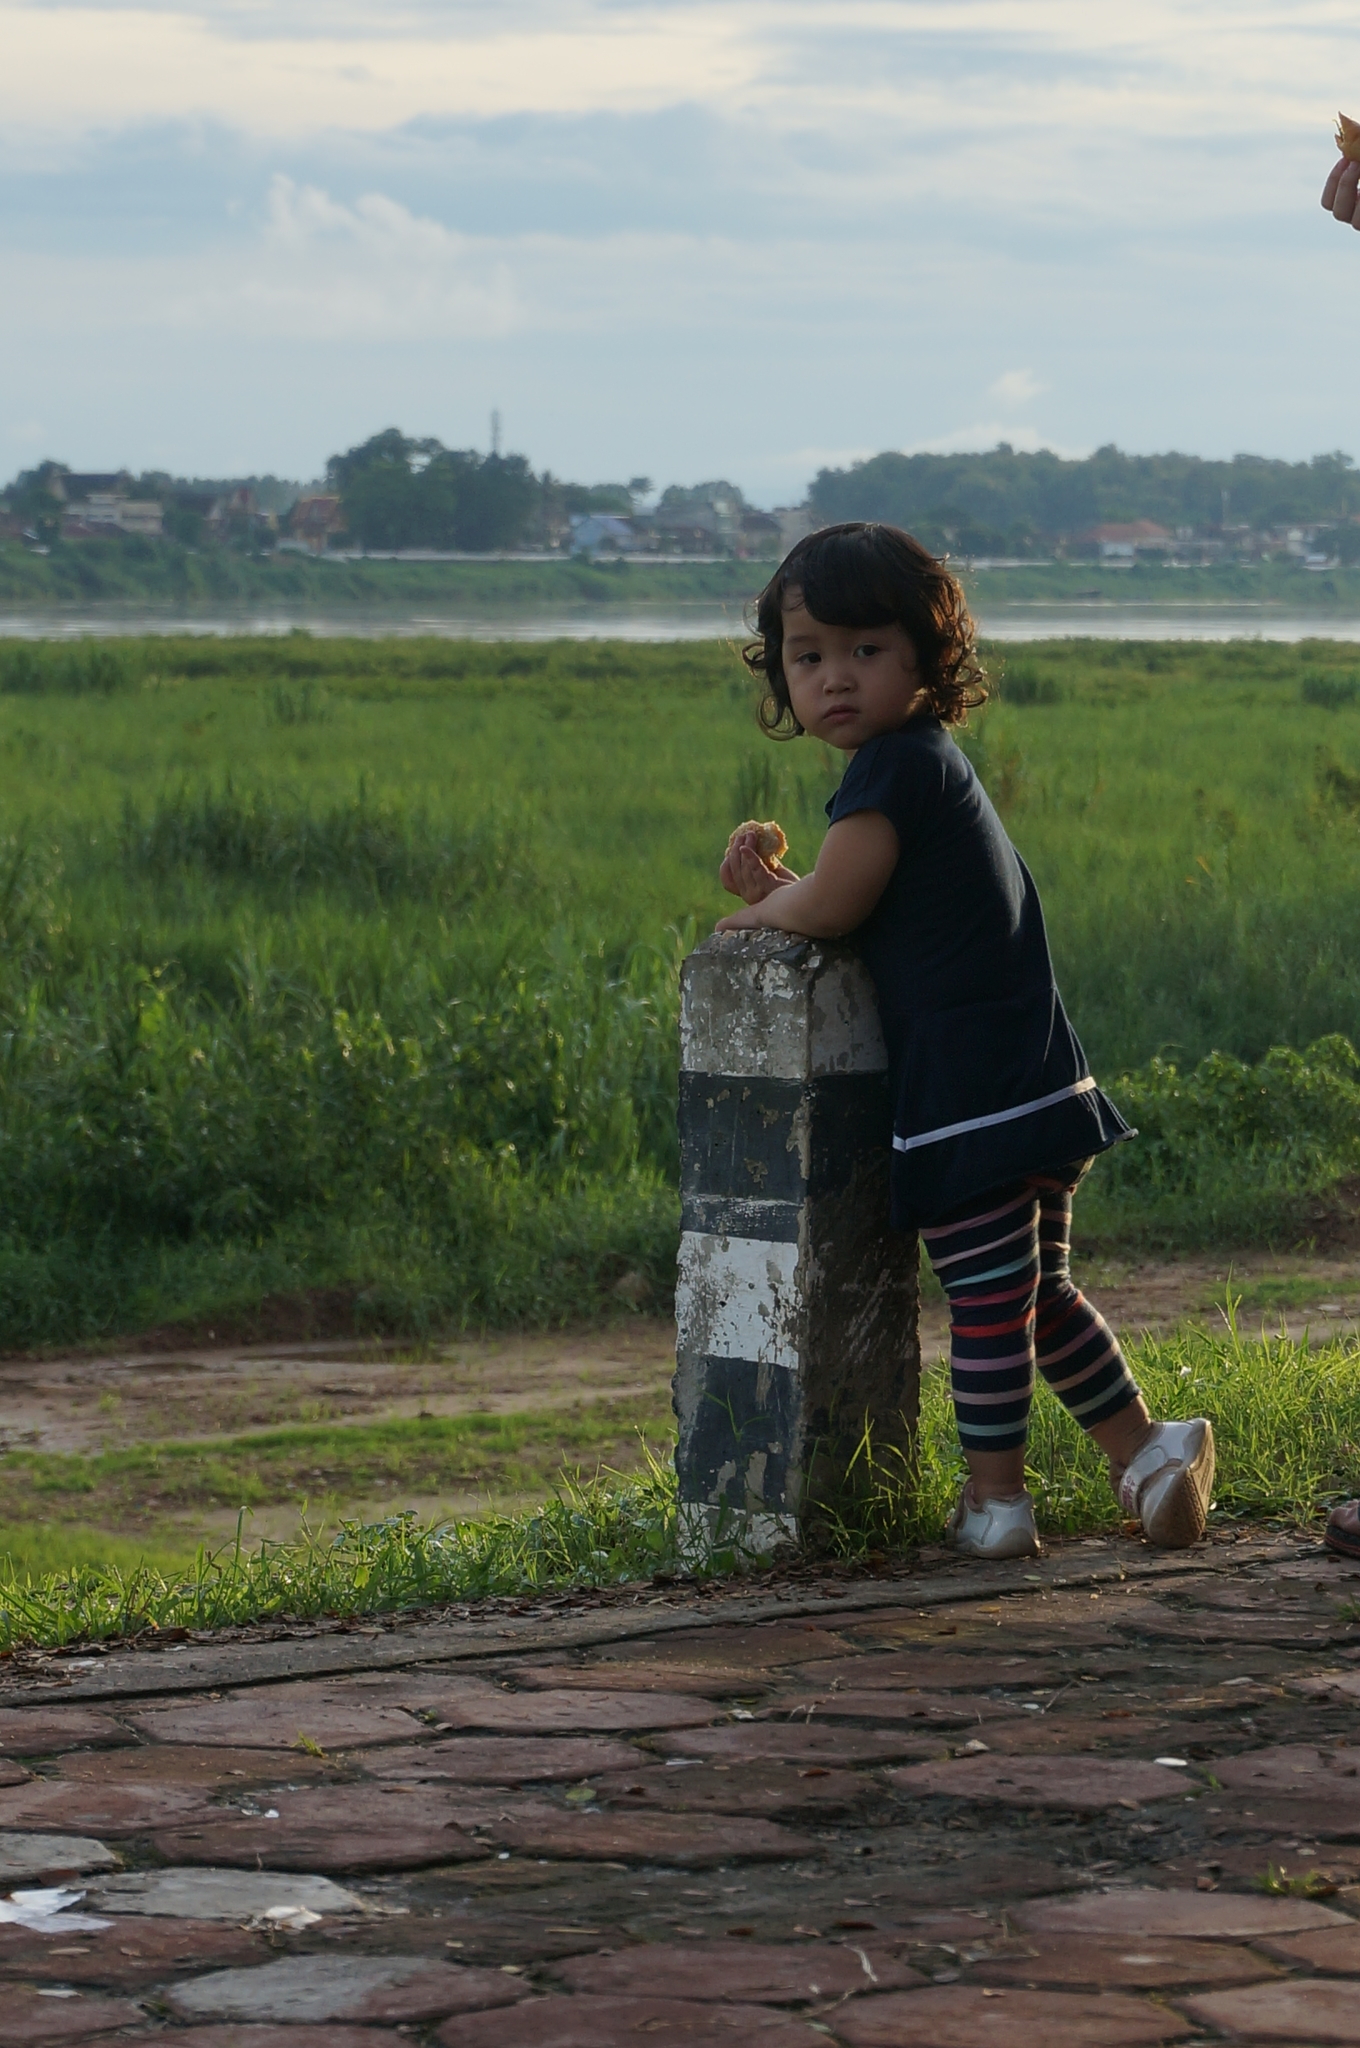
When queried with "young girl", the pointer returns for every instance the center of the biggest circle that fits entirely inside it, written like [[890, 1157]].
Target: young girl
[[866, 642]]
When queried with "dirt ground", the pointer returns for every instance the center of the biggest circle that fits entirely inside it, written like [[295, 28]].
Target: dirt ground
[[112, 1399], [217, 1394]]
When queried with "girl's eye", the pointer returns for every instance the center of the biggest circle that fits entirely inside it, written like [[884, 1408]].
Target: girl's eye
[[868, 647]]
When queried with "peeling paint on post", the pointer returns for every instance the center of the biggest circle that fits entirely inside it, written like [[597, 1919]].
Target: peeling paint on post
[[797, 1303]]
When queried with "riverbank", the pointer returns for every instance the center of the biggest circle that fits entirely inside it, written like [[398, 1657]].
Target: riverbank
[[101, 582]]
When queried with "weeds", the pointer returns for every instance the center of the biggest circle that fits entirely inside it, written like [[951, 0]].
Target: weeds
[[1276, 1882], [590, 1533]]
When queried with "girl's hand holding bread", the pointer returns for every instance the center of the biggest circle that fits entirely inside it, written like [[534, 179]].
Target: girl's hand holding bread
[[753, 864]]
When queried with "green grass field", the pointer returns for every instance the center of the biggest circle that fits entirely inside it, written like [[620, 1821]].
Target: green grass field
[[347, 970], [351, 966]]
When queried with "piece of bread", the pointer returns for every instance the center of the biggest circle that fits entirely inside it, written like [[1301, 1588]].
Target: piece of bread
[[1348, 138], [770, 843]]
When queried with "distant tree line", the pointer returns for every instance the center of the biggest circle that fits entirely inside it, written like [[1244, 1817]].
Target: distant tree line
[[401, 492], [1007, 502]]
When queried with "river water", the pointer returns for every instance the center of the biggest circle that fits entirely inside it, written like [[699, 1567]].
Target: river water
[[1095, 620]]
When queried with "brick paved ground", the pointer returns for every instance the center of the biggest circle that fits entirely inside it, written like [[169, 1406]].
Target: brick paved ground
[[1030, 1804]]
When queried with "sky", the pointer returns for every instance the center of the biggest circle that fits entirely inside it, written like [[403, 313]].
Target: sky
[[668, 237]]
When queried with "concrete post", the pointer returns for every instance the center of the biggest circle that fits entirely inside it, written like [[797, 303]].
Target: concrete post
[[797, 1304]]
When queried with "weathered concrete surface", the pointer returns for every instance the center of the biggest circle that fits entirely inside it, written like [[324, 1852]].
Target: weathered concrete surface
[[389, 1989], [24, 1858], [779, 1870], [189, 1894], [796, 1303]]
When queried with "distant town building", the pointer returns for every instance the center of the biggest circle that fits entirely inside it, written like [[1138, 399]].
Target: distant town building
[[1122, 543], [602, 533], [108, 512], [795, 522], [315, 518], [72, 486], [762, 533]]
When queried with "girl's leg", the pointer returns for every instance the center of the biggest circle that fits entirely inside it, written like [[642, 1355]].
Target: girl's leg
[[1163, 1471], [1077, 1351], [988, 1265]]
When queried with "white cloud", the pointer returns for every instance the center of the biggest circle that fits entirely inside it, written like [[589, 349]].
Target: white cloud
[[323, 272], [1015, 387], [683, 236], [77, 68]]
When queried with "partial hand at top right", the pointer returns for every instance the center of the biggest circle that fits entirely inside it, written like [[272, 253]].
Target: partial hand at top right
[[1341, 193]]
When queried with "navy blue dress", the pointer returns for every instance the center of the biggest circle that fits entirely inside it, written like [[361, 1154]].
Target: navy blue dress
[[989, 1081]]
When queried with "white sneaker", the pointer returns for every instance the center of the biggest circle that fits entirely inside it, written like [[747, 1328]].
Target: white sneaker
[[994, 1528], [1167, 1487]]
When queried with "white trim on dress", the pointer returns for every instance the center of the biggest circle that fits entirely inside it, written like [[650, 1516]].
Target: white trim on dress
[[1001, 1116]]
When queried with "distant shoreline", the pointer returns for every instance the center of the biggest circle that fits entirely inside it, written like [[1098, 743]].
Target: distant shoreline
[[154, 574]]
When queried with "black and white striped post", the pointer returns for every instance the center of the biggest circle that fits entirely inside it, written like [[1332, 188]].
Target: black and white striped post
[[796, 1302]]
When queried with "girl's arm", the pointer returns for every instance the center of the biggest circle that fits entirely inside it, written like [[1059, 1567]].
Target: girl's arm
[[858, 855]]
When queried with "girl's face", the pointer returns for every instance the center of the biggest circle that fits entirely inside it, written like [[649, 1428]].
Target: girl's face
[[848, 684]]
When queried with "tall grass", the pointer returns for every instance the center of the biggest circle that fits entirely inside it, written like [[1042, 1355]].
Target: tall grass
[[384, 1000]]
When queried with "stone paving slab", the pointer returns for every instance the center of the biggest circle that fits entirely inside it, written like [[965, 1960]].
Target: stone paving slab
[[249, 1844], [686, 1841], [1333, 1950], [319, 1989], [188, 1894], [1127, 1963], [255, 1720], [1295, 1767], [1340, 1685], [82, 1809], [598, 1713], [926, 1671], [27, 1857], [1138, 1734], [962, 2017], [755, 1973], [585, 2022], [795, 1742], [184, 1764], [777, 1791], [505, 1759], [32, 2018], [625, 1674], [1316, 2012], [125, 1958], [231, 2036], [1216, 1916], [932, 1710], [354, 1827], [46, 1731], [1080, 1784]]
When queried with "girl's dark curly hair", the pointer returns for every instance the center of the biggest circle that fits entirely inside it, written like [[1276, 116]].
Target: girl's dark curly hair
[[864, 574]]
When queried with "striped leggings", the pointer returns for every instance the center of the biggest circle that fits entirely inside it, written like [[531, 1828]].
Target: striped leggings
[[1012, 1305]]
